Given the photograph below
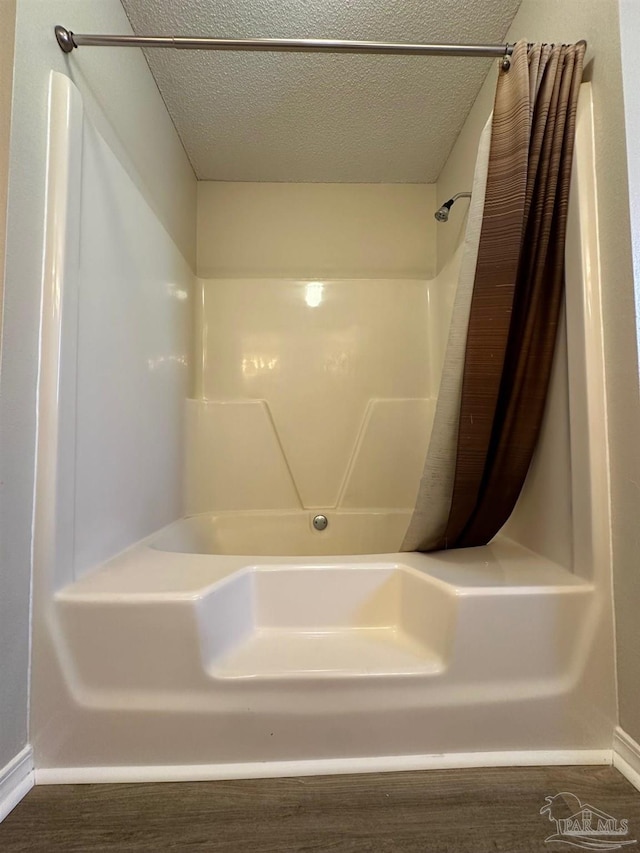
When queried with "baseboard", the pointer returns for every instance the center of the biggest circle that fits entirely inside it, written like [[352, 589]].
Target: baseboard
[[626, 756], [318, 767], [16, 780]]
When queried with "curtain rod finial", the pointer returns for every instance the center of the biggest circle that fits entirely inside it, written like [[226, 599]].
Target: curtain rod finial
[[64, 37]]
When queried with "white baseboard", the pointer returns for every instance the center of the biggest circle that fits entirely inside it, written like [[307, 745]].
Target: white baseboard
[[16, 780], [626, 756], [318, 767]]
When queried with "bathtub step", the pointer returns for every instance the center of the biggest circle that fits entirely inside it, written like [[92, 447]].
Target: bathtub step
[[274, 653], [152, 621]]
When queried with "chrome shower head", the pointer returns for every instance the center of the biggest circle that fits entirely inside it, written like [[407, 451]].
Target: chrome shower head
[[442, 213]]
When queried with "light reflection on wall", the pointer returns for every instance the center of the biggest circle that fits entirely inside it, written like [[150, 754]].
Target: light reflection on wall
[[162, 360], [254, 365], [338, 363], [176, 291], [313, 293]]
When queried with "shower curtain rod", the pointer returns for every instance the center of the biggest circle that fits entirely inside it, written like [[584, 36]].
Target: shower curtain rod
[[69, 40]]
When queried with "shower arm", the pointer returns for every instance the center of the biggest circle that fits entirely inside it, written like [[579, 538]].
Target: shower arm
[[459, 195]]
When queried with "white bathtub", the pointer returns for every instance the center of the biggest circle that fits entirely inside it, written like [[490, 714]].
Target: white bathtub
[[213, 659], [287, 534], [250, 644]]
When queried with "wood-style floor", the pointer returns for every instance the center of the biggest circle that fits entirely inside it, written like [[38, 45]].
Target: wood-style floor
[[448, 811]]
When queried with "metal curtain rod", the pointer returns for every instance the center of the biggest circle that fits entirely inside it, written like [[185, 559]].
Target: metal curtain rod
[[69, 40]]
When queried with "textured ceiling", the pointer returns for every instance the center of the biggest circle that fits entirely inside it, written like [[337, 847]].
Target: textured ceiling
[[319, 117]]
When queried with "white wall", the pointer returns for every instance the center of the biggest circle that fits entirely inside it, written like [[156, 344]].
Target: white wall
[[124, 103], [629, 31], [14, 648], [627, 577], [596, 21], [252, 230], [7, 33]]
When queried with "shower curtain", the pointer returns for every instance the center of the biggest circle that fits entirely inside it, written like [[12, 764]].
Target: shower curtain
[[492, 398]]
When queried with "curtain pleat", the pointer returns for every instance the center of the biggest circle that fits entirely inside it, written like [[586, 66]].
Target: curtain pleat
[[512, 335], [429, 519], [517, 293]]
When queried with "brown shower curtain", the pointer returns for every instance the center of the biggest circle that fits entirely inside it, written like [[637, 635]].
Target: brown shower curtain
[[517, 291]]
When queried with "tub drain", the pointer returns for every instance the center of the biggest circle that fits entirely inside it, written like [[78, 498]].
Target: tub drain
[[320, 522]]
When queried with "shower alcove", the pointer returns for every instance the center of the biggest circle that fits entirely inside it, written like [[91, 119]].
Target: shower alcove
[[238, 639]]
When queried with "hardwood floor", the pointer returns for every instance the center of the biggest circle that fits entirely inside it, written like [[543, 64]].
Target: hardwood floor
[[448, 811]]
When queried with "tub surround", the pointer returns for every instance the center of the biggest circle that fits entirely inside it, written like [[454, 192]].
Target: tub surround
[[171, 656], [301, 230], [320, 333], [311, 393], [113, 373]]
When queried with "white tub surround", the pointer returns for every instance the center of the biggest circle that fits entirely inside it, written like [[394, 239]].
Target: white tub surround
[[320, 330], [182, 658], [113, 375], [312, 393]]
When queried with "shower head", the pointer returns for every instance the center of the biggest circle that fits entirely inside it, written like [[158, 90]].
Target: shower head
[[442, 213]]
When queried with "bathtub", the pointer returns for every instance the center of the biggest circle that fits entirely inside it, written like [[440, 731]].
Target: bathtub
[[272, 533], [236, 644], [230, 658]]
